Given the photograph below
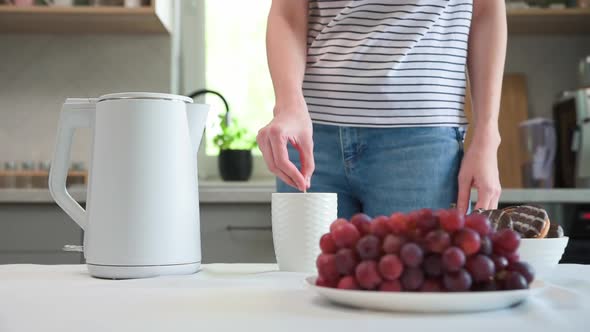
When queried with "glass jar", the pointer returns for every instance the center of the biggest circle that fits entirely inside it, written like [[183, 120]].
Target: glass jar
[[41, 179], [24, 179], [8, 176], [77, 176]]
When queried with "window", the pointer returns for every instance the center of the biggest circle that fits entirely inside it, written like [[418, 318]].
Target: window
[[235, 62]]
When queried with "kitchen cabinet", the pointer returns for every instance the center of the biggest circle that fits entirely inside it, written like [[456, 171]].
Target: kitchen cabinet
[[235, 221], [236, 233], [230, 233], [156, 18], [35, 233]]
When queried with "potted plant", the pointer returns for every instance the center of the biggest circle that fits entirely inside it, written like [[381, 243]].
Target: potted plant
[[235, 151], [235, 145]]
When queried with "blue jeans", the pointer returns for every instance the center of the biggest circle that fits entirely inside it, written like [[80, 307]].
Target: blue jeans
[[379, 171]]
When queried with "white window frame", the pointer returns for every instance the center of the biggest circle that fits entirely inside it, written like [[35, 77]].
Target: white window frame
[[188, 75]]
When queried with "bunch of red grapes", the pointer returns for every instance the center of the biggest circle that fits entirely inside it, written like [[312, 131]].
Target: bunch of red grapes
[[422, 251]]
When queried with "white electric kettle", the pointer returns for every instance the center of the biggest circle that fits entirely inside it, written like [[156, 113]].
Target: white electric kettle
[[142, 208]]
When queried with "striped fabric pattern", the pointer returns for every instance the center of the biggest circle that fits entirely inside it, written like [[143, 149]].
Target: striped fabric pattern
[[387, 63]]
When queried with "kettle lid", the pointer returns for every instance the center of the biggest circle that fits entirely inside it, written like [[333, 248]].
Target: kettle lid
[[145, 95]]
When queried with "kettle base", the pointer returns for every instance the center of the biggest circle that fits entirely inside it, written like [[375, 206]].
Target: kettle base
[[140, 271]]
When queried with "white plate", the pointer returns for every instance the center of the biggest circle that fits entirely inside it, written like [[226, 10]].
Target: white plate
[[425, 302]]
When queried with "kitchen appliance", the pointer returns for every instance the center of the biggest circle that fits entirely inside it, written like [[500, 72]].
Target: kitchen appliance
[[142, 208], [584, 72], [571, 114], [538, 146]]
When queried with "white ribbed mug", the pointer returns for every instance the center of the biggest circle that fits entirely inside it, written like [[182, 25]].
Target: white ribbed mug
[[298, 222]]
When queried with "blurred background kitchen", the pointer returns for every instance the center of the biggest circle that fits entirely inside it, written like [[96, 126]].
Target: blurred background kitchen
[[214, 50]]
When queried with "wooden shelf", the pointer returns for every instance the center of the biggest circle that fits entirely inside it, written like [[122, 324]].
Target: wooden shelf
[[549, 21], [82, 19]]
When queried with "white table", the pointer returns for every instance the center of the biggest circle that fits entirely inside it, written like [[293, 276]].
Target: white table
[[250, 297]]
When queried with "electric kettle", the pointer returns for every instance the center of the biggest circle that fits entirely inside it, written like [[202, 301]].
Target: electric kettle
[[142, 208]]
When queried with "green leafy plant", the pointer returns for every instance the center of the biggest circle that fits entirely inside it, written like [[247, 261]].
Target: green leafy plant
[[233, 136]]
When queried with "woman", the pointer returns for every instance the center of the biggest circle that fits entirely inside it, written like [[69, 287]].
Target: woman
[[370, 97]]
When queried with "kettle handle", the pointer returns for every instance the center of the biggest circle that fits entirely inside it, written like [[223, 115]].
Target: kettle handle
[[75, 113]]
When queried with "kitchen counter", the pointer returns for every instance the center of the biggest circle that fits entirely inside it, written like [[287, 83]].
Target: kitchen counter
[[251, 297], [259, 191]]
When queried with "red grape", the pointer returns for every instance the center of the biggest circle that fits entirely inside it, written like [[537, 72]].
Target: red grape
[[345, 260], [362, 222], [479, 223], [324, 283], [398, 223], [459, 281], [486, 247], [391, 267], [348, 282], [451, 220], [481, 268], [437, 241], [345, 235], [453, 259], [513, 257], [411, 254], [421, 251], [339, 221], [327, 244], [427, 221], [433, 265], [524, 268], [367, 275], [392, 244], [412, 278], [515, 280], [391, 286], [326, 264], [416, 235], [500, 278], [505, 241], [379, 227], [431, 285], [500, 262], [368, 247], [486, 286], [468, 240]]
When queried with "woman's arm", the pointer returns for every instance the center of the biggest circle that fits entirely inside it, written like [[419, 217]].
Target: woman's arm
[[486, 55], [286, 44]]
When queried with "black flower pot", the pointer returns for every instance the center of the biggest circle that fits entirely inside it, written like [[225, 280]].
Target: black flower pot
[[235, 165]]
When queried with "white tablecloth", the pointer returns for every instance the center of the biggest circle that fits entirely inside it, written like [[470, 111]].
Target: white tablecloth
[[250, 297]]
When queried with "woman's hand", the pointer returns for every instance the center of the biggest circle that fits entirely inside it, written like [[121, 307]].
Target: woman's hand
[[479, 170], [291, 124]]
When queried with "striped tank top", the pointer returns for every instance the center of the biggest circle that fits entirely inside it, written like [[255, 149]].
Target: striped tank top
[[387, 63]]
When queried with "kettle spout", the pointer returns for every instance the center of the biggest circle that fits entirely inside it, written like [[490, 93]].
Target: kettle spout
[[197, 119]]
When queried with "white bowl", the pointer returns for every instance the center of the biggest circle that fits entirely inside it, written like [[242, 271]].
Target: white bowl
[[542, 254]]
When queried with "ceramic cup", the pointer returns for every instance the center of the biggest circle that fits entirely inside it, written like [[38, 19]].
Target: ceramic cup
[[298, 222]]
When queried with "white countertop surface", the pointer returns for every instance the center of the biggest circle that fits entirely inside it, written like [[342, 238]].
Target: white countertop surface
[[259, 191], [251, 297]]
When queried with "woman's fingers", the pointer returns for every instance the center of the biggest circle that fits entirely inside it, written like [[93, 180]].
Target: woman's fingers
[[264, 145], [283, 164], [305, 149], [465, 183]]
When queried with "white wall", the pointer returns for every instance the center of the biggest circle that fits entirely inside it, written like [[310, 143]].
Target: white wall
[[37, 73]]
